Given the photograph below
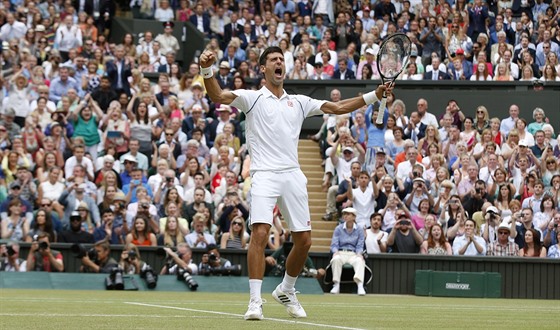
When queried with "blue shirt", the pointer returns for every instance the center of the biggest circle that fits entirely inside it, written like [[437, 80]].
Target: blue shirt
[[60, 88], [133, 199], [344, 240], [376, 136]]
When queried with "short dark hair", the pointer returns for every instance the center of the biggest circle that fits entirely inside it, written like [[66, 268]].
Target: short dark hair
[[269, 50], [107, 210]]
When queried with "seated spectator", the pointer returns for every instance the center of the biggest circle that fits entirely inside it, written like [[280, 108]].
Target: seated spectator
[[42, 224], [347, 246], [436, 244], [76, 232], [103, 263], [404, 238], [108, 229], [235, 238], [554, 250], [504, 245], [199, 237], [376, 239], [533, 246], [469, 244], [16, 225], [10, 260], [171, 235], [140, 233], [276, 263], [42, 259]]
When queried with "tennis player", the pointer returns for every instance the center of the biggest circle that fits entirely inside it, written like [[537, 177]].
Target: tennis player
[[274, 121]]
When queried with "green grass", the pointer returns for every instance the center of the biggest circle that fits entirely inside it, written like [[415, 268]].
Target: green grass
[[56, 309]]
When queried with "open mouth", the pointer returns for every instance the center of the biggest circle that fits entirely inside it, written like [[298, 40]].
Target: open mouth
[[278, 72]]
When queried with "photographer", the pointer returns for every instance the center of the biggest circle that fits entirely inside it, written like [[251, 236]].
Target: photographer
[[492, 218], [211, 261], [276, 263], [41, 258], [102, 263], [11, 262], [131, 262], [181, 259]]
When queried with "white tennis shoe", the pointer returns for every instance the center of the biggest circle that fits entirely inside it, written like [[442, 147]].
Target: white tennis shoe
[[289, 300], [254, 312]]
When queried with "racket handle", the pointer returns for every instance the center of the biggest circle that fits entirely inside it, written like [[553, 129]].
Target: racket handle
[[381, 112]]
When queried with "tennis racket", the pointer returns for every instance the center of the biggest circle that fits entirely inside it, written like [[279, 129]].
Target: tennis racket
[[392, 58]]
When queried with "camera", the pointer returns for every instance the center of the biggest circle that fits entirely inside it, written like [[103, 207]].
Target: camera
[[11, 251], [80, 251], [121, 205], [479, 190], [115, 280], [555, 226], [415, 174], [145, 205], [169, 179], [43, 245], [147, 274], [212, 256], [403, 222], [183, 275], [207, 270], [132, 255]]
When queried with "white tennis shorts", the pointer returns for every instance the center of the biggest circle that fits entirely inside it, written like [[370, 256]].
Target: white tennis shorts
[[289, 190]]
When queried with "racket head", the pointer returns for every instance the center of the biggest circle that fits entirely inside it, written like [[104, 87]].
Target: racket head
[[393, 56]]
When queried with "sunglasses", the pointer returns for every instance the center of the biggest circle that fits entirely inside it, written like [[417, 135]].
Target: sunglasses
[[551, 162], [454, 26], [168, 134], [503, 233], [45, 205], [75, 219], [237, 223], [480, 112]]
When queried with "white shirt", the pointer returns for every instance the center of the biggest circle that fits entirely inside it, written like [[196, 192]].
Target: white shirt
[[72, 162], [404, 169], [188, 196], [192, 237], [364, 203], [507, 125], [371, 240], [14, 31], [273, 126], [164, 15], [67, 39], [429, 119], [459, 242]]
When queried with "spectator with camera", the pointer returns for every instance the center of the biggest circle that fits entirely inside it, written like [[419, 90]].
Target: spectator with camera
[[98, 259], [404, 238], [182, 259], [199, 238], [76, 232], [10, 260], [525, 220], [72, 197], [41, 258], [276, 263], [492, 219], [232, 207]]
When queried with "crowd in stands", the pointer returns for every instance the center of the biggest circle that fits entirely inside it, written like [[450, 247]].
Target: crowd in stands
[[92, 150]]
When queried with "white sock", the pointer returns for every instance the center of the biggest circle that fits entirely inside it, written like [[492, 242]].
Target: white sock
[[255, 289], [360, 285], [288, 283]]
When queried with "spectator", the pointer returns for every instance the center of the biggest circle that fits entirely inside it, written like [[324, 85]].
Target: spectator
[[108, 229], [76, 232], [376, 239], [404, 238], [469, 244], [103, 263], [503, 246], [436, 244], [347, 246], [42, 259], [236, 237], [199, 238], [533, 246], [62, 84], [16, 225], [140, 233]]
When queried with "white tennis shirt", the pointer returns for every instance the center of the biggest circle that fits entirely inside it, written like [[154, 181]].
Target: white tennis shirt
[[273, 126]]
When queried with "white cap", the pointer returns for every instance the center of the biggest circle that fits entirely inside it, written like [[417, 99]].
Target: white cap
[[350, 210]]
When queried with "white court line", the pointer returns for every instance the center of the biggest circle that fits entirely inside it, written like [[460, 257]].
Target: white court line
[[106, 315], [239, 315]]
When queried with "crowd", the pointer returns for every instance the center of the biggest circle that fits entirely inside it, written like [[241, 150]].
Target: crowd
[[92, 151]]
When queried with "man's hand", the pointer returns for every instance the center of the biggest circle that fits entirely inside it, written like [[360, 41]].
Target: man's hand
[[34, 247], [270, 261], [207, 58], [387, 88]]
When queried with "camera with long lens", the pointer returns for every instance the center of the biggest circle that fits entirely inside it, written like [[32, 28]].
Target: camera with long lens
[[43, 245], [233, 270], [115, 280], [184, 275], [147, 273], [80, 251]]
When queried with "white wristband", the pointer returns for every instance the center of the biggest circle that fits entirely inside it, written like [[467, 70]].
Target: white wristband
[[370, 98], [206, 72]]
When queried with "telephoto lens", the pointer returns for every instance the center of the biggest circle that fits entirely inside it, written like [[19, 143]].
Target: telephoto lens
[[147, 274], [183, 275]]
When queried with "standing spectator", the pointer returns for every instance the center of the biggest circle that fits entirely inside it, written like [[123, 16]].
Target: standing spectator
[[62, 84], [478, 13], [167, 40], [119, 70], [469, 244], [376, 239], [347, 246], [164, 13], [433, 39], [200, 19], [71, 199], [363, 198], [68, 37], [404, 238], [12, 29]]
